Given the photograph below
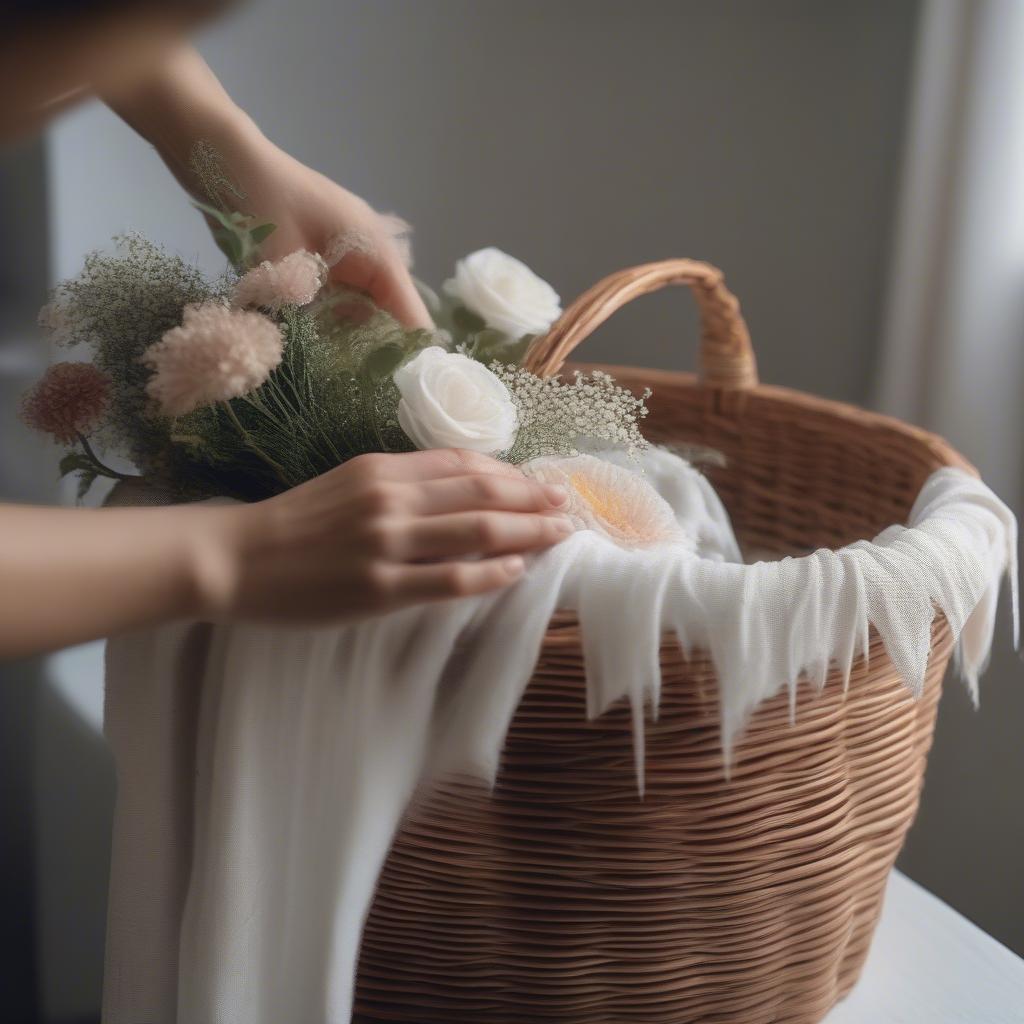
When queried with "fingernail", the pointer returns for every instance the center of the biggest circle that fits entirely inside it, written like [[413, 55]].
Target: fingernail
[[513, 565], [563, 525], [556, 494]]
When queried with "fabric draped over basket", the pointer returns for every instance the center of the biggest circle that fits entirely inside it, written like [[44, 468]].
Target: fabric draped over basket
[[263, 772]]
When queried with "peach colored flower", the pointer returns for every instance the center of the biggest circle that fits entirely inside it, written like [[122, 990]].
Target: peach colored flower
[[70, 399], [612, 500], [292, 281], [216, 354]]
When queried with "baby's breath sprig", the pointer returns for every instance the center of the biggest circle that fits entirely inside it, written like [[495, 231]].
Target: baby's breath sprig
[[559, 417]]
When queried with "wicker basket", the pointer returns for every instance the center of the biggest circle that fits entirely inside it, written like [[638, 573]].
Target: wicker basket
[[562, 896]]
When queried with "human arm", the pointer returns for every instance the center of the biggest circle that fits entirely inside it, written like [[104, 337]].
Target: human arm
[[378, 533], [180, 102]]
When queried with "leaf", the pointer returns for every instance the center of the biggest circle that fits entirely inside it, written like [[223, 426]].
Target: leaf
[[490, 345], [74, 461], [467, 321], [219, 216], [383, 361], [515, 351], [234, 237], [229, 244], [86, 478], [261, 232]]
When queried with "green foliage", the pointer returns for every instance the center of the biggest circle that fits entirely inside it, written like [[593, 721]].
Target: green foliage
[[86, 478], [206, 164], [87, 466], [261, 232], [77, 462], [118, 306], [332, 398], [490, 346], [469, 332], [74, 461], [237, 235]]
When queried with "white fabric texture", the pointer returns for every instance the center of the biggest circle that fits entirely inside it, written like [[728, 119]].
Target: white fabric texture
[[262, 772]]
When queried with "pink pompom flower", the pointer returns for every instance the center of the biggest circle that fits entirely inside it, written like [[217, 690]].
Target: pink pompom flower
[[68, 401], [292, 281], [216, 354]]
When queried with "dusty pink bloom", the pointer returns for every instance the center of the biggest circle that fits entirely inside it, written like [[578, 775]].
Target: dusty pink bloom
[[70, 399], [216, 354], [292, 281], [396, 232]]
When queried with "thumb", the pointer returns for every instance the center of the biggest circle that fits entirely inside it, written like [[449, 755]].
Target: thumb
[[386, 280]]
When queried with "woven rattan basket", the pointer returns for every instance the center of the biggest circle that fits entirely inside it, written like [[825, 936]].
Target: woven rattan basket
[[562, 896]]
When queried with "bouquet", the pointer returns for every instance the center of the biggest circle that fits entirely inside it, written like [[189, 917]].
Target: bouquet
[[270, 374]]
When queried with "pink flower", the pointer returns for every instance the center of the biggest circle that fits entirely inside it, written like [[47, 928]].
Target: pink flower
[[396, 232], [292, 281], [70, 399], [216, 354]]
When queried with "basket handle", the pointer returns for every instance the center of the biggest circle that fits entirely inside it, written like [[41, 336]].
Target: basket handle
[[726, 360]]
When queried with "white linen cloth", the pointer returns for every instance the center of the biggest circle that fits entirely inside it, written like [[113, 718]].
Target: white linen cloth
[[262, 772]]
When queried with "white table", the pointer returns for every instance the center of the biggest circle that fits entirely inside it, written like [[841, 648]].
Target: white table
[[929, 965]]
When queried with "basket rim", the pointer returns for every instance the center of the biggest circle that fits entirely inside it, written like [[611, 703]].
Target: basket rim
[[935, 445]]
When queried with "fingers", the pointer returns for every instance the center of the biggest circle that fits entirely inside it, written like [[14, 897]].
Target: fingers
[[392, 289], [415, 583], [465, 534], [490, 492], [383, 276], [430, 465]]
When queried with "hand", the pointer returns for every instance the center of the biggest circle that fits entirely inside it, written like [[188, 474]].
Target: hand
[[180, 102], [311, 212], [379, 533]]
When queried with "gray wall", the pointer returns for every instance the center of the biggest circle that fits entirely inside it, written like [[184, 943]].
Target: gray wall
[[580, 136], [23, 212]]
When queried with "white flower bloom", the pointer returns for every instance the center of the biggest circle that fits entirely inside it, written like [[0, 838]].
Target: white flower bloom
[[612, 500], [451, 401], [505, 293]]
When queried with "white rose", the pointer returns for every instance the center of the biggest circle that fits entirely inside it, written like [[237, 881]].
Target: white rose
[[451, 401], [506, 293]]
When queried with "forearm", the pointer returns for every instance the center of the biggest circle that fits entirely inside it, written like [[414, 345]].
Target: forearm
[[179, 103], [71, 575]]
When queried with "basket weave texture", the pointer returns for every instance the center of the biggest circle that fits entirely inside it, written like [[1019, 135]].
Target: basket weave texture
[[563, 897]]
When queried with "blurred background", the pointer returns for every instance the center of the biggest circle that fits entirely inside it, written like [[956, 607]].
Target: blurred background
[[856, 167]]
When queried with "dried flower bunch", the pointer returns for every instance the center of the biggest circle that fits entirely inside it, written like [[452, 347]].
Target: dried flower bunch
[[271, 374]]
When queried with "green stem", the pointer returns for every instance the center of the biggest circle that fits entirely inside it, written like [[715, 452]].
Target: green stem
[[255, 401], [276, 467], [101, 467], [367, 389], [270, 397]]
